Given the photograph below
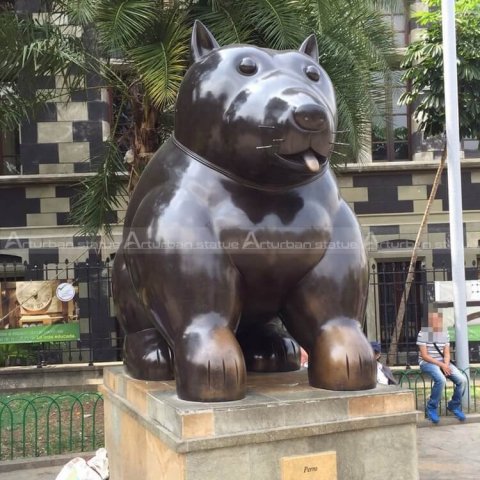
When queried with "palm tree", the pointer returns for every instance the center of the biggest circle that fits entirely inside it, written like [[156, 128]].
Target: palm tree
[[30, 50], [150, 40]]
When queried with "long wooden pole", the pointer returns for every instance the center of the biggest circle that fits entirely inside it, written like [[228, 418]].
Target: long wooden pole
[[393, 349]]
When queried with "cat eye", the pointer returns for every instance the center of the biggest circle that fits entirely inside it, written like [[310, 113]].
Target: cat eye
[[247, 66], [312, 73]]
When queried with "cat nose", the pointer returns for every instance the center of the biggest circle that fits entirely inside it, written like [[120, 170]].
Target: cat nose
[[311, 117]]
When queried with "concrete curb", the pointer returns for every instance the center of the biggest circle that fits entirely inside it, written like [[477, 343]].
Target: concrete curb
[[446, 420], [42, 462], [53, 377]]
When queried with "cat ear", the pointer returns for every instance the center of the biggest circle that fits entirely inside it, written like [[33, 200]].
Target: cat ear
[[310, 47], [203, 41]]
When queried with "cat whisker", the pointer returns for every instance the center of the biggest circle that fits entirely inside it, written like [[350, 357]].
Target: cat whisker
[[341, 131], [278, 140], [267, 126], [338, 143], [264, 146], [338, 153]]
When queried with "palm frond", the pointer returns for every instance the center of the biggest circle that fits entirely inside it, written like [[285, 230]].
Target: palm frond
[[353, 122], [365, 34], [79, 12], [101, 195], [226, 23], [14, 108], [31, 49], [122, 23], [161, 63], [387, 6], [352, 86], [276, 22]]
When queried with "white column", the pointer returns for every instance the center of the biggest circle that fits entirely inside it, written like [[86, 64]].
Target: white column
[[455, 184]]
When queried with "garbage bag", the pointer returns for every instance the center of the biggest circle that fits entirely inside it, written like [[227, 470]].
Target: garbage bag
[[99, 463], [94, 469]]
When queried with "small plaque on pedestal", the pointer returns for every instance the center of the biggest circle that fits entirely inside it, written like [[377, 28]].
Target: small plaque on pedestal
[[318, 466]]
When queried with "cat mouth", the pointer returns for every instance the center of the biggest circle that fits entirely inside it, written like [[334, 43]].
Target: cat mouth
[[308, 160]]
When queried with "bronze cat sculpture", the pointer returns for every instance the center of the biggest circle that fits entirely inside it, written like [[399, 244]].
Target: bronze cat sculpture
[[236, 238]]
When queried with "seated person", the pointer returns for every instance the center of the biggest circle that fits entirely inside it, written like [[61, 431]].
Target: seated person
[[384, 374], [434, 359]]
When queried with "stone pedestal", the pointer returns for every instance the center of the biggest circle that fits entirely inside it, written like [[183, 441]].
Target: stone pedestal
[[284, 429]]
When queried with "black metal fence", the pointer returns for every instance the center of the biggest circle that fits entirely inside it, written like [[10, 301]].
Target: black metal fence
[[414, 379], [101, 337], [387, 290]]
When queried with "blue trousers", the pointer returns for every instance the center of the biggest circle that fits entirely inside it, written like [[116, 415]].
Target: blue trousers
[[439, 380]]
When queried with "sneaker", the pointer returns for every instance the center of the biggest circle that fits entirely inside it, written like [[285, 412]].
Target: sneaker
[[432, 415], [458, 413]]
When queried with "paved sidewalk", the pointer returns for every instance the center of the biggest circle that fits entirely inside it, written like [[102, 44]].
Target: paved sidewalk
[[449, 452], [48, 473], [46, 468], [446, 451]]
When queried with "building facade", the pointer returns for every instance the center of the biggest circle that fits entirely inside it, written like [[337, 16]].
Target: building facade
[[41, 167]]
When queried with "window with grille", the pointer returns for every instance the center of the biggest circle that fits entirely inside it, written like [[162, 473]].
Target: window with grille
[[391, 123], [9, 154], [391, 127]]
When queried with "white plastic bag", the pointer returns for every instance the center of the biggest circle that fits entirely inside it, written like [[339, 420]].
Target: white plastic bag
[[99, 463], [78, 469]]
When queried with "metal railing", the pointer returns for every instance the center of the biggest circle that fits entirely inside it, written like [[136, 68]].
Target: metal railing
[[421, 384], [34, 425], [101, 339], [387, 287]]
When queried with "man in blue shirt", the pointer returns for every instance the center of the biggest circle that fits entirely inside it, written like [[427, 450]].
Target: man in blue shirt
[[434, 359]]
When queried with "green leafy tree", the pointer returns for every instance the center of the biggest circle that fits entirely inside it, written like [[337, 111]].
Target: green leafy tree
[[424, 70], [143, 50]]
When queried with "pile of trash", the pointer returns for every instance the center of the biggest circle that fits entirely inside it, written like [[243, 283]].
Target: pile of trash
[[94, 469]]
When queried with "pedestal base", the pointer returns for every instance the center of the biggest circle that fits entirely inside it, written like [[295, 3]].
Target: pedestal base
[[284, 429]]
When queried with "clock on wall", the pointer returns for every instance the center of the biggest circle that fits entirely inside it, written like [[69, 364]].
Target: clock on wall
[[65, 292], [44, 302], [34, 296]]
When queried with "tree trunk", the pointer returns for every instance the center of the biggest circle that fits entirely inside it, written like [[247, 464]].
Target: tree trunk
[[393, 349], [145, 137]]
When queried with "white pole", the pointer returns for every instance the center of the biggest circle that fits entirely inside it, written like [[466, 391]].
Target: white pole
[[455, 185]]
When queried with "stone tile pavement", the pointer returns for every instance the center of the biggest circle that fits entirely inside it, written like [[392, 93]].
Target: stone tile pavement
[[46, 468], [449, 451], [47, 473]]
